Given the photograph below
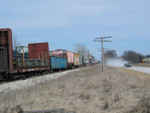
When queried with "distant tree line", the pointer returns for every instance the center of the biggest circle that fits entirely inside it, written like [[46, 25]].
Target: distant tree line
[[129, 55], [132, 56]]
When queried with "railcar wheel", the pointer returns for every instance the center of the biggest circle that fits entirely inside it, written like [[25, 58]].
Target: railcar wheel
[[51, 71], [73, 67], [10, 77], [1, 77]]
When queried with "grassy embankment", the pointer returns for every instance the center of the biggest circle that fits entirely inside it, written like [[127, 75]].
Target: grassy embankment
[[86, 91]]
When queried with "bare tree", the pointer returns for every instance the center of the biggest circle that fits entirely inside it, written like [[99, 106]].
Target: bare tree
[[132, 56], [147, 56], [15, 41], [110, 54], [81, 49]]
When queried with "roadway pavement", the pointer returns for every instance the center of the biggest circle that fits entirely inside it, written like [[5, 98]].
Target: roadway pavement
[[141, 69]]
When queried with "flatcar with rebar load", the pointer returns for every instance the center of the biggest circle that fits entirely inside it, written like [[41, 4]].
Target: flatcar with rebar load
[[9, 65]]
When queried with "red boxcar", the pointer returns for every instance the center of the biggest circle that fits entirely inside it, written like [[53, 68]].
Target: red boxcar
[[39, 51], [6, 43]]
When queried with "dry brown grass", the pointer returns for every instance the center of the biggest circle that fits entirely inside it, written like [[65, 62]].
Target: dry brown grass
[[86, 91], [142, 64], [142, 76]]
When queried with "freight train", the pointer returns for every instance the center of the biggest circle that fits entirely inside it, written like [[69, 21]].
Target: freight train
[[35, 58]]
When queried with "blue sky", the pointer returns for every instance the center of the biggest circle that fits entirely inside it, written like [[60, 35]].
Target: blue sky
[[64, 23]]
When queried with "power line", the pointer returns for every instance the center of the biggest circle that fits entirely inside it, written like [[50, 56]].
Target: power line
[[101, 39]]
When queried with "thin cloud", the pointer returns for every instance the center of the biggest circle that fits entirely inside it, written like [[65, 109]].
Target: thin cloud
[[74, 21]]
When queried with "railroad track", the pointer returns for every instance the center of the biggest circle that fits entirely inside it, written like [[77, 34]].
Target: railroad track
[[30, 75]]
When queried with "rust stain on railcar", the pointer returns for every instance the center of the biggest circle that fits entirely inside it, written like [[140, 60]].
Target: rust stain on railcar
[[6, 42], [39, 51]]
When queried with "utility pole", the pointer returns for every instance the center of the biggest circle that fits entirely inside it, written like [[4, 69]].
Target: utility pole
[[102, 57], [102, 40]]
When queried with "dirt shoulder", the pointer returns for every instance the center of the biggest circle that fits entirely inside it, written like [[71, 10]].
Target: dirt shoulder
[[141, 75], [85, 91], [142, 64]]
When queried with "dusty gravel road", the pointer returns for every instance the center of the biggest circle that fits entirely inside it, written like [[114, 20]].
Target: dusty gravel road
[[141, 69], [120, 63]]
